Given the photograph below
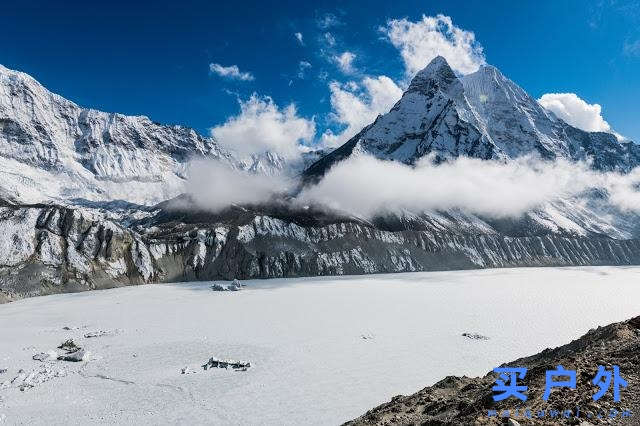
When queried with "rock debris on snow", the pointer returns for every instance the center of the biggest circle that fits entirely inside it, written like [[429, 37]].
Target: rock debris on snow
[[75, 356], [69, 346], [221, 363], [44, 356], [234, 286], [465, 400], [101, 333], [71, 352], [475, 336], [28, 379]]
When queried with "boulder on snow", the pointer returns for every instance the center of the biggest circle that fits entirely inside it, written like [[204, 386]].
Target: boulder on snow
[[218, 287], [234, 286], [75, 356], [226, 363], [71, 352], [475, 336], [69, 346]]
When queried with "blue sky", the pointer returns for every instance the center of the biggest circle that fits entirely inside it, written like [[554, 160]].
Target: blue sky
[[156, 59]]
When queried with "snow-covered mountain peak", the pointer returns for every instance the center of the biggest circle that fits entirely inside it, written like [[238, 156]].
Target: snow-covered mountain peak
[[488, 88], [483, 115], [51, 148], [437, 76]]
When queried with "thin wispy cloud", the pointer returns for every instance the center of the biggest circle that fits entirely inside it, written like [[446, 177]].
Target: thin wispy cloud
[[328, 20], [214, 186], [328, 39], [345, 62], [632, 48], [303, 66], [231, 72], [298, 37], [365, 186]]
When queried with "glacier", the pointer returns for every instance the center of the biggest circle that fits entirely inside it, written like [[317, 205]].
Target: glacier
[[322, 349]]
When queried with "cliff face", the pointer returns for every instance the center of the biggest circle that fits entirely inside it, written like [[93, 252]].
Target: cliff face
[[55, 249], [49, 249]]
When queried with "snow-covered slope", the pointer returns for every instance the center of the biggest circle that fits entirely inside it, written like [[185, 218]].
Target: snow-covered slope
[[53, 150], [518, 125]]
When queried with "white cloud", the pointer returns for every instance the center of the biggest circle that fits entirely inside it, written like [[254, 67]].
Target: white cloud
[[355, 106], [345, 62], [261, 126], [328, 20], [420, 42], [232, 72], [298, 37], [575, 111], [302, 68], [352, 86], [365, 186], [329, 39], [632, 48], [213, 185]]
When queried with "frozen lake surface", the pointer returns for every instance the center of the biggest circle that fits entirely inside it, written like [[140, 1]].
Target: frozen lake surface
[[323, 350]]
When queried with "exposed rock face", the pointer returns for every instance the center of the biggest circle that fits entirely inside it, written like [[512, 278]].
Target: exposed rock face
[[467, 401], [48, 249], [55, 249]]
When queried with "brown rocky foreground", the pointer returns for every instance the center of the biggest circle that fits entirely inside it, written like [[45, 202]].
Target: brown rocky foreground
[[469, 401]]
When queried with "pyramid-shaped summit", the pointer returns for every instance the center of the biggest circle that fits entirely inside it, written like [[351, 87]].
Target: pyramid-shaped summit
[[481, 115], [436, 75]]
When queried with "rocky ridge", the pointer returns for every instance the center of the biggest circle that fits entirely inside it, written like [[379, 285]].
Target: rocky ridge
[[469, 401]]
